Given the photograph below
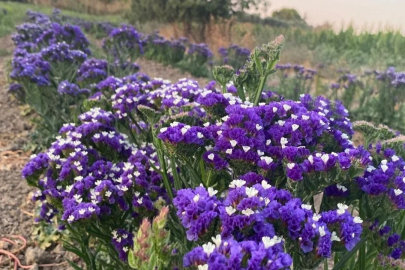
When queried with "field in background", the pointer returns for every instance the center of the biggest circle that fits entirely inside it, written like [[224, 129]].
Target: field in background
[[12, 14], [88, 6], [346, 50]]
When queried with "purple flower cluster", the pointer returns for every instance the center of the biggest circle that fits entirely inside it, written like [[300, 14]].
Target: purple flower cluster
[[200, 50], [60, 52], [234, 56], [31, 68], [123, 242], [297, 70], [123, 42], [71, 89], [230, 254], [253, 210], [71, 34], [92, 171], [92, 71], [384, 181], [391, 243]]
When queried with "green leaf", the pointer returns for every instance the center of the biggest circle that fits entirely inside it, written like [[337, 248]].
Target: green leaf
[[345, 258], [131, 259], [73, 264]]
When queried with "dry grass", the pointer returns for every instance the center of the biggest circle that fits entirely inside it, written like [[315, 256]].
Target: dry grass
[[88, 6]]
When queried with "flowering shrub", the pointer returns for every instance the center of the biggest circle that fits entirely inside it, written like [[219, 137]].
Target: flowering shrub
[[168, 52], [159, 175], [294, 80], [234, 56], [375, 96]]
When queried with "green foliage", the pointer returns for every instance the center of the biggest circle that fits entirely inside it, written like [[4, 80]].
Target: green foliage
[[152, 248], [287, 14], [251, 79], [344, 49], [200, 11], [46, 234]]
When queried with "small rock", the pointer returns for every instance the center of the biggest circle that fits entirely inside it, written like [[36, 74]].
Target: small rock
[[59, 250], [34, 267], [5, 245], [26, 126], [33, 255]]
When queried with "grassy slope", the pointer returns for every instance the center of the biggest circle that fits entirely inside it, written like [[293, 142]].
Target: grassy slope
[[15, 13]]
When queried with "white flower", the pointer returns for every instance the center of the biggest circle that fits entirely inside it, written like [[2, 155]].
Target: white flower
[[258, 127], [91, 209], [237, 183], [203, 267], [357, 220], [228, 151], [268, 142], [225, 118], [212, 192], [108, 193], [200, 135], [295, 127], [321, 231], [269, 242], [384, 167], [394, 158], [266, 201], [342, 188], [211, 156], [311, 159], [69, 188], [275, 109], [334, 237], [265, 185], [208, 248], [246, 148], [196, 198], [230, 210], [316, 217], [184, 129], [286, 107], [283, 141], [251, 192], [305, 117], [268, 160], [82, 211], [344, 136], [233, 143], [281, 122], [217, 240], [260, 153], [398, 192], [78, 198], [290, 165], [306, 206], [325, 158], [342, 208], [161, 130], [248, 212]]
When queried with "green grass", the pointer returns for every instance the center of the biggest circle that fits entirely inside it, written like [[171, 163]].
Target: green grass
[[16, 13]]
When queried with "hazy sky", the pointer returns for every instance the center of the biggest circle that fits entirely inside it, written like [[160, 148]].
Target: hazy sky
[[370, 13]]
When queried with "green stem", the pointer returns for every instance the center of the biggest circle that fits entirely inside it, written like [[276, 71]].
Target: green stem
[[260, 90]]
